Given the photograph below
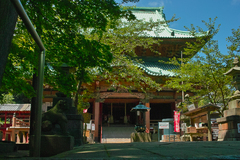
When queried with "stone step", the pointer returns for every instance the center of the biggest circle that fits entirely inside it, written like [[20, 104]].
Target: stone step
[[116, 140], [116, 132]]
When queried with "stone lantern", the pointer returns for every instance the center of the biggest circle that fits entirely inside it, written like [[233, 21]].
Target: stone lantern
[[235, 72], [140, 109], [229, 125]]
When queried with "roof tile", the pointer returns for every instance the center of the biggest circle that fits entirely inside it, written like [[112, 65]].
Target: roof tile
[[15, 107], [163, 31], [153, 67]]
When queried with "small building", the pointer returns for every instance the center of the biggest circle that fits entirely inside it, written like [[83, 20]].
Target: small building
[[203, 123], [15, 122]]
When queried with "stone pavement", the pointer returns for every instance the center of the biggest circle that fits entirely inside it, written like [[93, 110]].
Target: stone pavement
[[152, 150]]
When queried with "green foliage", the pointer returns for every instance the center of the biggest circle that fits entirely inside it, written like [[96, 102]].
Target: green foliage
[[204, 73], [6, 98], [109, 56], [60, 24], [83, 101], [235, 41]]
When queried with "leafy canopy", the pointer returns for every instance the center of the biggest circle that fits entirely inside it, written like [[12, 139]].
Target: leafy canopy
[[58, 23], [204, 73]]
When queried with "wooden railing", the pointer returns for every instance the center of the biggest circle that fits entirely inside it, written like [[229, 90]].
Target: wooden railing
[[22, 122]]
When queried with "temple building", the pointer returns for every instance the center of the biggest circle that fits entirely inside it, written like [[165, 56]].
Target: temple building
[[110, 109], [15, 122]]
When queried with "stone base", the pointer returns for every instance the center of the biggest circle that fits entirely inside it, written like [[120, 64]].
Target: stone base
[[75, 128], [231, 112], [22, 146], [173, 138], [234, 104], [7, 147], [140, 137], [185, 138], [55, 144], [228, 130]]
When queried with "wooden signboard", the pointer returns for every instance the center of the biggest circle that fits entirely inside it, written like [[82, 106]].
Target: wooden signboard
[[87, 117]]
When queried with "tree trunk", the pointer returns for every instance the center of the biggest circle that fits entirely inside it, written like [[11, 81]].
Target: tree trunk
[[7, 25], [77, 94]]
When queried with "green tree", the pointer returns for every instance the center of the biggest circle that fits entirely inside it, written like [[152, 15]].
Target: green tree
[[85, 54], [204, 73], [58, 23], [122, 40], [235, 41], [7, 98]]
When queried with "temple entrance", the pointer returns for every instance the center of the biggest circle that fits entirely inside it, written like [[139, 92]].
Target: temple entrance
[[160, 111], [118, 113], [117, 122]]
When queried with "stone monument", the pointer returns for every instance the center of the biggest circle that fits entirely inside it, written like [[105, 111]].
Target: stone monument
[[229, 125], [61, 127], [55, 141], [75, 120]]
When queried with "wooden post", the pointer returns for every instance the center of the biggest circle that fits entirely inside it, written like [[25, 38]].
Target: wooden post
[[147, 116], [27, 140], [111, 117], [5, 120], [125, 116], [24, 137], [209, 127], [18, 137], [96, 119], [4, 136], [13, 135]]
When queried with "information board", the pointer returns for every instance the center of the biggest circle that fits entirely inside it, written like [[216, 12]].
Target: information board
[[87, 117], [163, 125], [93, 127]]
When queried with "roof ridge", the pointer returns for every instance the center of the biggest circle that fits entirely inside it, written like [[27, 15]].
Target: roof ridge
[[149, 8]]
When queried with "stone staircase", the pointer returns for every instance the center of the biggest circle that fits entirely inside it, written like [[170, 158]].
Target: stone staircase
[[117, 133]]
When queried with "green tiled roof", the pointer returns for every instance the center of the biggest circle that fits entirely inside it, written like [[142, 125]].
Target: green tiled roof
[[163, 31], [153, 67]]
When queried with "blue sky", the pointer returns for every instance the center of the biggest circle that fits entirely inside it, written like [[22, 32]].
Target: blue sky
[[194, 11]]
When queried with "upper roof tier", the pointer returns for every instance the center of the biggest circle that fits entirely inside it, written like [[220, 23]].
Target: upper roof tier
[[163, 31], [153, 67]]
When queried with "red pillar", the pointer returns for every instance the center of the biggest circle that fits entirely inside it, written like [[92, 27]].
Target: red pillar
[[27, 138], [5, 120], [96, 119], [4, 136], [147, 119]]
